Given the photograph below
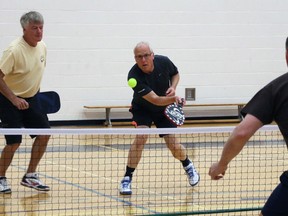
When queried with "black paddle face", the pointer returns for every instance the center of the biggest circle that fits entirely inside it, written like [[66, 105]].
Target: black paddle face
[[175, 114], [49, 102]]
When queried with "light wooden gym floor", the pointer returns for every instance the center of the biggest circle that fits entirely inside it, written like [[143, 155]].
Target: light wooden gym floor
[[84, 173]]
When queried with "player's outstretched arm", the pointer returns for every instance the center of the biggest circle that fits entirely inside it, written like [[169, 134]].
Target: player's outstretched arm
[[235, 143]]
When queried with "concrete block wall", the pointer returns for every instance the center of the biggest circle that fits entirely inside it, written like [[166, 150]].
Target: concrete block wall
[[226, 49]]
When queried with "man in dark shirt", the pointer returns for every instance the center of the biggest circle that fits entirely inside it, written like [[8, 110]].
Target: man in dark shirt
[[156, 81], [269, 104]]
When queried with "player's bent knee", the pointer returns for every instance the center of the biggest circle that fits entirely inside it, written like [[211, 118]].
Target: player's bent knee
[[12, 147], [43, 138]]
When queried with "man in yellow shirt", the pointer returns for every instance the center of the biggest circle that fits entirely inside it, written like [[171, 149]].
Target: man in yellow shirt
[[21, 70]]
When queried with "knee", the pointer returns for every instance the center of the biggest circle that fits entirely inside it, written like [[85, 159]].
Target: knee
[[43, 138], [13, 147], [139, 142], [142, 138]]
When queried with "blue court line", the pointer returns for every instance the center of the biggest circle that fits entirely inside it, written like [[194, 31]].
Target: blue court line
[[94, 192]]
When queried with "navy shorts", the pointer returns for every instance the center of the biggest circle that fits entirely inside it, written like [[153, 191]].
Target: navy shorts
[[145, 117], [277, 203], [11, 117]]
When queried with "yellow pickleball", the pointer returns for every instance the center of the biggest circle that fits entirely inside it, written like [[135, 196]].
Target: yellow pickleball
[[132, 82]]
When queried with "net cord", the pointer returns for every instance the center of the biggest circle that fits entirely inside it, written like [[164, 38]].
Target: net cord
[[124, 131]]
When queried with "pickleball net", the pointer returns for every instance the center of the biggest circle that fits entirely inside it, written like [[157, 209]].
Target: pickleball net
[[84, 168]]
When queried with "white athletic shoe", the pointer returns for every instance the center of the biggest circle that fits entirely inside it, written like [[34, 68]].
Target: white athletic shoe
[[32, 180], [192, 174], [4, 187], [125, 186]]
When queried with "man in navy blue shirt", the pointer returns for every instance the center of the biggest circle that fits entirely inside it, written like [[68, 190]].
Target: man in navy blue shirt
[[156, 81]]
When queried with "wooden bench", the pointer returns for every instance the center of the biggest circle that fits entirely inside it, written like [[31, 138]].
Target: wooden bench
[[107, 122], [107, 112]]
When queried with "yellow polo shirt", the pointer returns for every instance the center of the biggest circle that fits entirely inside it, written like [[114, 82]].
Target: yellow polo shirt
[[23, 66]]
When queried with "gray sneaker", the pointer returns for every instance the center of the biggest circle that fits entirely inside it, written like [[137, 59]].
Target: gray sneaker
[[192, 174], [4, 187]]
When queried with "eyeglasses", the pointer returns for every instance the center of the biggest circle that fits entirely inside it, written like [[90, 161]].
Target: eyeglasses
[[145, 56]]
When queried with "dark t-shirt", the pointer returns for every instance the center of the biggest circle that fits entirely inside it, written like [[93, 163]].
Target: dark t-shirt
[[159, 80], [271, 104]]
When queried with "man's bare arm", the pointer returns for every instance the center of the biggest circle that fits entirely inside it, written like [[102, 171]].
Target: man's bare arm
[[16, 101]]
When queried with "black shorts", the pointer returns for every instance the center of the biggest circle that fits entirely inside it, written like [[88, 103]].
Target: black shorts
[[277, 203], [142, 116], [11, 117]]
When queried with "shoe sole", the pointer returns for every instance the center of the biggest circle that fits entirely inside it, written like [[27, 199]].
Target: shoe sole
[[6, 192], [29, 186], [125, 193]]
